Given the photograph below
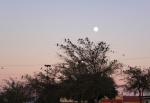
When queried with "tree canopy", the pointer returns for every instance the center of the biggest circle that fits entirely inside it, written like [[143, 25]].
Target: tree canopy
[[86, 57], [45, 86], [15, 92], [137, 80], [85, 74], [88, 69]]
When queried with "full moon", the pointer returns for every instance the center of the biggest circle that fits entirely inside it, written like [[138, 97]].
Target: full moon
[[95, 29]]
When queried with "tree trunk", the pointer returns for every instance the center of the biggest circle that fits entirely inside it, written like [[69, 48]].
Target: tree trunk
[[140, 96]]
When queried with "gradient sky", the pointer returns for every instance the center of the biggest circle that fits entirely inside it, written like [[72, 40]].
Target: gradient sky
[[30, 29]]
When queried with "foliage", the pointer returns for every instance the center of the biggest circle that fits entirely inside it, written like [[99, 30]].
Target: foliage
[[84, 75], [88, 70], [138, 80], [90, 86], [86, 57], [15, 92], [44, 85]]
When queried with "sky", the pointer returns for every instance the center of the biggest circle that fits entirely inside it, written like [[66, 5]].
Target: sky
[[30, 29]]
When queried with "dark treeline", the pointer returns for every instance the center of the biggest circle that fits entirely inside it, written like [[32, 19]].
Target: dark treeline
[[84, 75]]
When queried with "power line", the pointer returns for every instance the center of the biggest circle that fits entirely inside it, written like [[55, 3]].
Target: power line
[[20, 65], [28, 65], [136, 58]]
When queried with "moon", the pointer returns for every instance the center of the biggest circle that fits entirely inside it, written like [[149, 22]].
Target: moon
[[95, 29]]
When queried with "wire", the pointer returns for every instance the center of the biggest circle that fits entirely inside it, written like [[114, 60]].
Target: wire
[[136, 58], [25, 65], [5, 66]]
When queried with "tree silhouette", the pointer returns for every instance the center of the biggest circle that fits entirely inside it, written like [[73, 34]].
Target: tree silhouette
[[90, 87], [138, 81], [45, 86], [87, 70], [84, 75], [15, 92]]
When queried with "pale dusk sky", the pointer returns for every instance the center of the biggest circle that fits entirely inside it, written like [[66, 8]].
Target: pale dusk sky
[[30, 29]]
